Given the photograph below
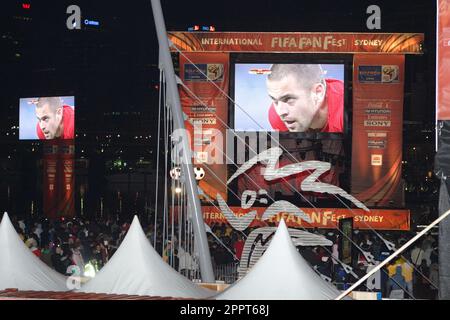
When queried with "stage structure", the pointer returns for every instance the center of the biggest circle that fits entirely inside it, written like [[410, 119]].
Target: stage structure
[[255, 165], [317, 179]]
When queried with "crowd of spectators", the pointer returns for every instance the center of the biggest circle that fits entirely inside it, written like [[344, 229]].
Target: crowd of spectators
[[78, 242], [90, 243], [418, 265], [83, 242]]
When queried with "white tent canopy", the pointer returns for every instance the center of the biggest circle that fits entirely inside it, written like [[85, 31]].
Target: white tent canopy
[[137, 269], [20, 268], [281, 274]]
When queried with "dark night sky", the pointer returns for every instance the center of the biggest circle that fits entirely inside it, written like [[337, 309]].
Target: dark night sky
[[291, 15], [133, 20], [114, 66], [132, 28]]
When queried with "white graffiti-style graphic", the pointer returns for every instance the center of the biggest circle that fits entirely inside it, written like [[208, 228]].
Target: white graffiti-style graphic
[[241, 223], [259, 239], [270, 158]]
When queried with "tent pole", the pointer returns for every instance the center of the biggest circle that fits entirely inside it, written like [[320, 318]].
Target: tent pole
[[201, 240]]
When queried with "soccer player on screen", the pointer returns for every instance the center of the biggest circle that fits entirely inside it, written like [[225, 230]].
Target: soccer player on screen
[[55, 120], [303, 100]]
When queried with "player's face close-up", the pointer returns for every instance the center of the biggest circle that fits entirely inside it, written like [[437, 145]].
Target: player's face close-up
[[49, 121], [293, 103]]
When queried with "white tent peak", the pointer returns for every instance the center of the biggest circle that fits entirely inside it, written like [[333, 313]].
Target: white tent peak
[[280, 274], [20, 268], [5, 220], [137, 269], [135, 226]]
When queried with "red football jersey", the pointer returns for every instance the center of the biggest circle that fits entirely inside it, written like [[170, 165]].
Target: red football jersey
[[68, 122], [335, 100]]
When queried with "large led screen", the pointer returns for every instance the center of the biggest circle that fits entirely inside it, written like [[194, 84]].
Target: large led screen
[[289, 97], [302, 105], [47, 118]]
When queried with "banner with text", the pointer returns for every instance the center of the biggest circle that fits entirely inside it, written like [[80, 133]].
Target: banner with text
[[324, 218], [378, 82], [410, 43], [205, 105]]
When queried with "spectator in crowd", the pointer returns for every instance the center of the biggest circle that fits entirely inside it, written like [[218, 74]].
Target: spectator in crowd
[[335, 252], [100, 255], [21, 235], [341, 278], [421, 281], [188, 266], [77, 257], [33, 245], [61, 259], [417, 254], [170, 254], [46, 255], [325, 266], [407, 272], [396, 284], [150, 233], [434, 278], [238, 246], [22, 225], [228, 231]]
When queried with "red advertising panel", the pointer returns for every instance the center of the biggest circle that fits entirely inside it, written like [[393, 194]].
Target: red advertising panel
[[50, 188], [205, 103], [378, 82], [66, 179], [325, 218], [59, 179], [443, 61], [292, 42]]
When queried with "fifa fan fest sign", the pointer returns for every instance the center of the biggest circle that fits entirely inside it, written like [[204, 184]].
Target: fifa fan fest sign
[[298, 42], [208, 69]]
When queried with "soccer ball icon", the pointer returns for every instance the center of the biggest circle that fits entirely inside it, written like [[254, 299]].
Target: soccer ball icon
[[199, 173], [175, 173]]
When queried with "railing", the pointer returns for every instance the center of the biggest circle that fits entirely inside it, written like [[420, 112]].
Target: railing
[[227, 273]]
